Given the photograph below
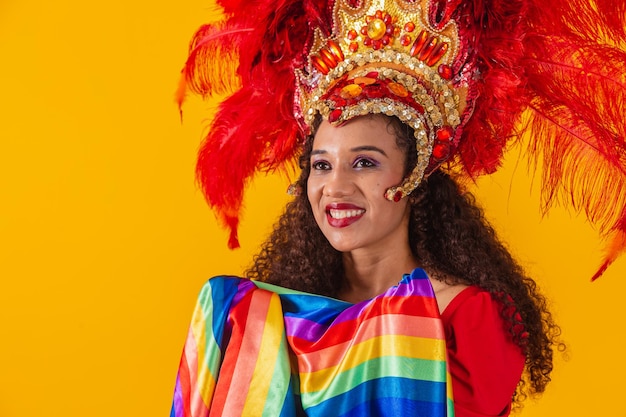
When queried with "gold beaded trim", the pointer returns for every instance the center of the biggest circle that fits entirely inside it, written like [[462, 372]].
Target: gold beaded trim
[[387, 42]]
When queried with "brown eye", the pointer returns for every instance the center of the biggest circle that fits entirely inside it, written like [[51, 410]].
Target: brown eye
[[320, 166], [364, 163]]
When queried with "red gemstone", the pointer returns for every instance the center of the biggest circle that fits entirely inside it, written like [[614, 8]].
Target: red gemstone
[[374, 91], [372, 75], [428, 49], [364, 30], [405, 40], [390, 30], [334, 115], [397, 196], [377, 45], [437, 53], [441, 151], [445, 71], [409, 27], [385, 40], [419, 43], [444, 134], [367, 41]]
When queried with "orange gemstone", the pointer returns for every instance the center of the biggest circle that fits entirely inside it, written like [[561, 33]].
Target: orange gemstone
[[364, 80], [376, 29], [351, 91], [353, 47], [398, 89], [405, 40], [409, 27], [320, 65], [379, 14], [328, 58], [335, 50], [364, 30], [352, 34]]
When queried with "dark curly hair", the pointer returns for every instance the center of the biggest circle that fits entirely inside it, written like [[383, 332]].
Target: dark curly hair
[[450, 237]]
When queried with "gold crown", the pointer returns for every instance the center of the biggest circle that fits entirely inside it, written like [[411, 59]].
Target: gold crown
[[384, 56]]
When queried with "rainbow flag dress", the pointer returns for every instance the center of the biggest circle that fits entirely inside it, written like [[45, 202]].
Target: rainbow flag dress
[[256, 349]]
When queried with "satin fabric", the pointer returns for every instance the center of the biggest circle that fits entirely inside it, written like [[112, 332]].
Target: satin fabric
[[255, 349]]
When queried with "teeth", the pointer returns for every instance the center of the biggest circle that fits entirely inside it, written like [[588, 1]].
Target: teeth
[[342, 214]]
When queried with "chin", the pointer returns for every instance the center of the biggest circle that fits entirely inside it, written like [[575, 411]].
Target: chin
[[343, 245]]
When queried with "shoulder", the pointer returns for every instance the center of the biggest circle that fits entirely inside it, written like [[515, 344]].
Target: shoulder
[[222, 283], [473, 311], [485, 363], [467, 298]]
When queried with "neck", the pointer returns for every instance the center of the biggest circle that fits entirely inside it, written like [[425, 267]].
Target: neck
[[368, 275]]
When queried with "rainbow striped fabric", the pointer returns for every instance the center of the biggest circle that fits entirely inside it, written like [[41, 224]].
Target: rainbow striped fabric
[[255, 349]]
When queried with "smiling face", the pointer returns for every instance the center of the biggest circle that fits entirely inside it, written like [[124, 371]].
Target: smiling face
[[351, 167]]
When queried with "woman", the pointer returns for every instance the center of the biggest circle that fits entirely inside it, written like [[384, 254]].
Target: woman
[[362, 243], [340, 237], [397, 276]]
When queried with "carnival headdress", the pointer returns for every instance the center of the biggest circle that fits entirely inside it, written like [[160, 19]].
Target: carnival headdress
[[459, 72]]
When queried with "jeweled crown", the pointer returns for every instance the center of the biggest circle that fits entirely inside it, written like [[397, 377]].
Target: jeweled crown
[[388, 57]]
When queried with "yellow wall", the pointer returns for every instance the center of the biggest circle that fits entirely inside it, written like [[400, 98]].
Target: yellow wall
[[105, 240]]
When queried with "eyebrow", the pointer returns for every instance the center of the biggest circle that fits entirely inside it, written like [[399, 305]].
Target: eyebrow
[[356, 149]]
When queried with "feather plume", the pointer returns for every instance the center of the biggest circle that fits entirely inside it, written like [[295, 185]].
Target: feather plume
[[575, 68], [496, 35], [563, 64], [254, 128]]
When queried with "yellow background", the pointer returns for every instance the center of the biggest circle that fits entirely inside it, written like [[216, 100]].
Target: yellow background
[[105, 240]]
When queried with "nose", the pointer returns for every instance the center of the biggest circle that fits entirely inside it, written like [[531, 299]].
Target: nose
[[339, 183]]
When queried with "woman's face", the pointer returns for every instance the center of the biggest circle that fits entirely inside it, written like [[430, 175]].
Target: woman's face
[[351, 167]]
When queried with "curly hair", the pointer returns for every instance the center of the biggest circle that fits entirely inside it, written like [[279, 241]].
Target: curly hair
[[450, 237]]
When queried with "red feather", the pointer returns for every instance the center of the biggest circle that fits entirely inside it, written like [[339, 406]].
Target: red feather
[[254, 129], [578, 134], [562, 62]]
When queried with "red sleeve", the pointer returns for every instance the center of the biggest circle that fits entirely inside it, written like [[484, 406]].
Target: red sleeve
[[485, 363]]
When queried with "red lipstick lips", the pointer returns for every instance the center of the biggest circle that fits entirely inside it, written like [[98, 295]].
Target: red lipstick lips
[[343, 214]]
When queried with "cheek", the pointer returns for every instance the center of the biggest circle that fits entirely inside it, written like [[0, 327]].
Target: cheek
[[313, 192], [314, 195]]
